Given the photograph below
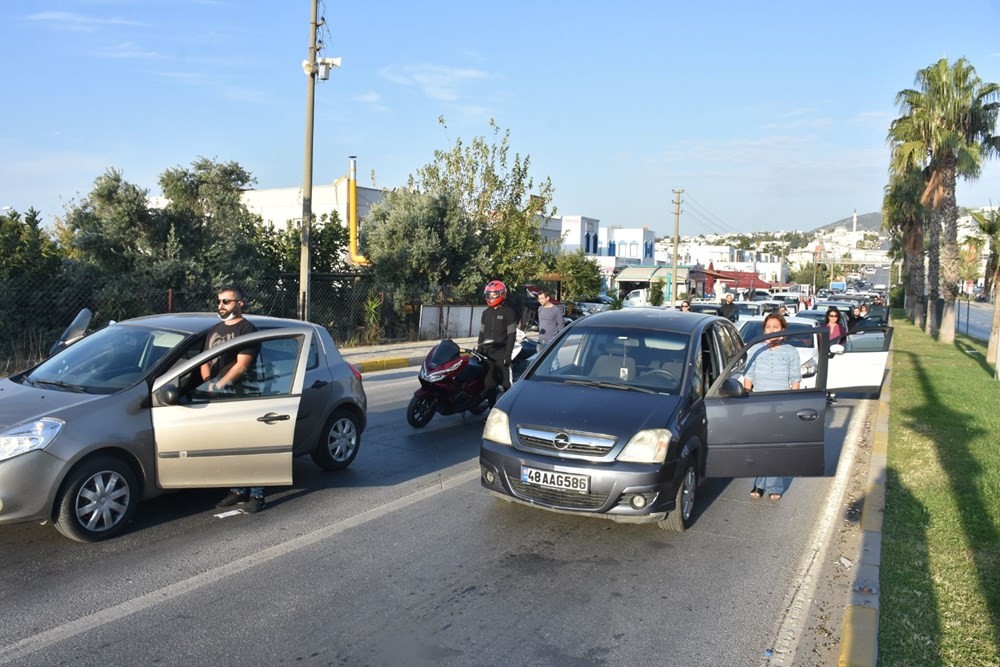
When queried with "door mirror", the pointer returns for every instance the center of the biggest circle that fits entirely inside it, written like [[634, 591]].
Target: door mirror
[[836, 348], [168, 394], [731, 388]]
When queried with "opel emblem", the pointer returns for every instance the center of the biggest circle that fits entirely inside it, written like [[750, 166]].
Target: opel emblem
[[561, 441]]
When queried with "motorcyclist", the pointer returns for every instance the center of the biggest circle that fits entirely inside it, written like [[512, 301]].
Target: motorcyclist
[[497, 334]]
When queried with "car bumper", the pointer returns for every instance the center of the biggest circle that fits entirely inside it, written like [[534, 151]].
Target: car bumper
[[616, 489], [27, 484]]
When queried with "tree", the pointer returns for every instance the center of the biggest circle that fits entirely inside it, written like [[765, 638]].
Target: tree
[[656, 293], [581, 275], [989, 224], [426, 246], [497, 194], [903, 217], [947, 126]]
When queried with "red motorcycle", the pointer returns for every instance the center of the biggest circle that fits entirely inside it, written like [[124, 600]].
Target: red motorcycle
[[451, 380]]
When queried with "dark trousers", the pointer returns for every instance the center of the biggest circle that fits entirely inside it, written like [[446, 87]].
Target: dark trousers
[[498, 375]]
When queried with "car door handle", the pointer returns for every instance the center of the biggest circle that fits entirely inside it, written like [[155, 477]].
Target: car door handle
[[807, 415], [272, 417], [319, 384]]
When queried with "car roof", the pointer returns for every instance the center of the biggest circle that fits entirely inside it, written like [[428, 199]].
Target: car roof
[[662, 319], [193, 323]]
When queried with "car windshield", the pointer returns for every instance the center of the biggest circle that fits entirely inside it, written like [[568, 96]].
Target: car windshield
[[105, 361], [626, 359], [755, 329]]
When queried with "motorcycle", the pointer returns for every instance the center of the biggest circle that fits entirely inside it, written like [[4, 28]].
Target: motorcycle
[[453, 380]]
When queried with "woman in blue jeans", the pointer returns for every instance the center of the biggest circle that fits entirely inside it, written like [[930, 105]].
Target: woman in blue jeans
[[772, 366]]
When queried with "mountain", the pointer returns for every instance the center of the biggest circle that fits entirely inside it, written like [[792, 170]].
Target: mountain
[[869, 222]]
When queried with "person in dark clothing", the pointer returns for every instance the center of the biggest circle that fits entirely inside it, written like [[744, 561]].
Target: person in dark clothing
[[728, 309], [497, 334], [225, 373]]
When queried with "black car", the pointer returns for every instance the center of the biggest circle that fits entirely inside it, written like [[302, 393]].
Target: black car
[[623, 413]]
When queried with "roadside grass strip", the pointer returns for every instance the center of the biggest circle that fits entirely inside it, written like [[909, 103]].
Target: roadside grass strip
[[940, 574]]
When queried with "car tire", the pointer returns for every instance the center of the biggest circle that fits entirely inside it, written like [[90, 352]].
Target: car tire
[[680, 519], [97, 499], [339, 442], [420, 411]]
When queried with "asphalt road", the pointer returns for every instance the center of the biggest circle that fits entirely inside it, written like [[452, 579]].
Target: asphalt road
[[404, 559]]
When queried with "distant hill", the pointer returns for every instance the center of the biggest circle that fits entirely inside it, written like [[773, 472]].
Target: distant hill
[[869, 222]]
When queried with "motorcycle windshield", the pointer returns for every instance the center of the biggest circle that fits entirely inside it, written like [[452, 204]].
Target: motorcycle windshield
[[444, 352]]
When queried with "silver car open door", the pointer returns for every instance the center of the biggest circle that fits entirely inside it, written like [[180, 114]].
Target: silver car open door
[[777, 433], [241, 436], [861, 365]]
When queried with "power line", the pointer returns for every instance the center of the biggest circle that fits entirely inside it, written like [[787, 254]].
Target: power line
[[708, 213]]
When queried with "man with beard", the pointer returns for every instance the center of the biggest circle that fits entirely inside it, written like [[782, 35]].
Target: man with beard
[[225, 372]]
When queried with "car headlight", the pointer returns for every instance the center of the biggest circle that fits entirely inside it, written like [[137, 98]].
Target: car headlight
[[24, 438], [649, 446], [497, 427], [808, 368]]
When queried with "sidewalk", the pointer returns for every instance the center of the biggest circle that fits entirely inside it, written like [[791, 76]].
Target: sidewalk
[[369, 358]]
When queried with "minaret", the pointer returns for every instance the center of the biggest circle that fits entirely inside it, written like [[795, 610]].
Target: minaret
[[854, 228]]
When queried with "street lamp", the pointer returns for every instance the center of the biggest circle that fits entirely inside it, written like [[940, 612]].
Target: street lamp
[[314, 68]]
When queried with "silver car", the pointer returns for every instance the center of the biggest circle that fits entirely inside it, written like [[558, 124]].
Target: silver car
[[123, 415]]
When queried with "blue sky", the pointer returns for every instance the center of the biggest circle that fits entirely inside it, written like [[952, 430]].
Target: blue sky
[[768, 115]]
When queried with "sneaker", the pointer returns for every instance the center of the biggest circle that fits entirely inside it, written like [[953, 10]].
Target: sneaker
[[254, 504], [231, 499]]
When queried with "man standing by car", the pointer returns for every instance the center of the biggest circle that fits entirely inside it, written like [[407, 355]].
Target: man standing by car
[[729, 309], [227, 370], [497, 333], [550, 318]]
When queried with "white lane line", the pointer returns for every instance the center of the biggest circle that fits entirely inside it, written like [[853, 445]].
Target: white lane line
[[803, 586], [61, 633]]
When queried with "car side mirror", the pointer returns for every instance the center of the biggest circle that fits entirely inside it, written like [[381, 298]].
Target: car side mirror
[[168, 394], [731, 388], [836, 348]]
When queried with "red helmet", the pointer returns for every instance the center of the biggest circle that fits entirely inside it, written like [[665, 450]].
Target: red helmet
[[495, 293]]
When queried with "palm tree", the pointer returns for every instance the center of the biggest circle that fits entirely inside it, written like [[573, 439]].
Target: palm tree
[[903, 217], [947, 126], [990, 226]]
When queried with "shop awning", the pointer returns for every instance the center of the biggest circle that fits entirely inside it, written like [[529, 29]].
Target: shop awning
[[644, 274]]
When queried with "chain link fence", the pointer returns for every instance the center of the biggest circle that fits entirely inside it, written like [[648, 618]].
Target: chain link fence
[[34, 312]]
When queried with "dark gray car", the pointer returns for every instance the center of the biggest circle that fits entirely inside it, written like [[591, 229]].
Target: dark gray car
[[625, 411]]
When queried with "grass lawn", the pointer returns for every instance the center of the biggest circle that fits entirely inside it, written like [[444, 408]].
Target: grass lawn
[[940, 577]]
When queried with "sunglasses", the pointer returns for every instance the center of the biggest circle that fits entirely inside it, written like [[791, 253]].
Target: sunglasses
[[226, 302]]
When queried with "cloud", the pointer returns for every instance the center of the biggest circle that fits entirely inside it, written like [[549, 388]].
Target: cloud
[[372, 99], [436, 81], [130, 51], [78, 22], [796, 124]]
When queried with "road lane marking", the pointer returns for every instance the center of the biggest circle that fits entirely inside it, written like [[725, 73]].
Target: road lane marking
[[799, 595], [61, 633]]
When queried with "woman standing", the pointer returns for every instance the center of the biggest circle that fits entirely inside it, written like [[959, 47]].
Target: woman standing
[[772, 366], [833, 324], [550, 318]]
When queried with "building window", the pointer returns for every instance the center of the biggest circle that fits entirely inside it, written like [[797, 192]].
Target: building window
[[586, 243], [633, 249], [611, 248]]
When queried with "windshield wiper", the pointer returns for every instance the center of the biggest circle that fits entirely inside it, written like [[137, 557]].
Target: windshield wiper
[[610, 385], [59, 383]]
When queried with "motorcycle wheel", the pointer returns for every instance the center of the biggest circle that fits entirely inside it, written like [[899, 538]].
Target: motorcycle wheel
[[420, 410]]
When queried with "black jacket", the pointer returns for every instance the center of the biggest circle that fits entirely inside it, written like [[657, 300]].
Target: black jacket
[[498, 331]]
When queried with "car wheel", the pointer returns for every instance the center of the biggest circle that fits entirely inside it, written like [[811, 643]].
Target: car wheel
[[339, 443], [420, 410], [680, 519], [97, 500]]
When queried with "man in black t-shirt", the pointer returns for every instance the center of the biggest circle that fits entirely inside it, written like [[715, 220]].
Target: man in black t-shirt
[[728, 309], [227, 370]]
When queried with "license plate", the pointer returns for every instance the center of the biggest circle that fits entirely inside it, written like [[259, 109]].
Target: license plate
[[555, 480]]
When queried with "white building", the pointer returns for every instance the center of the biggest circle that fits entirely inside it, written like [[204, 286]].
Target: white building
[[280, 206]]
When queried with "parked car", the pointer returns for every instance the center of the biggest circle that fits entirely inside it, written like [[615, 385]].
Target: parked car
[[804, 343], [706, 308], [623, 413], [590, 305], [122, 415]]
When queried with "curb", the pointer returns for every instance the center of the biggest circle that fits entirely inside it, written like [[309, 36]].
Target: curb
[[386, 364], [859, 633]]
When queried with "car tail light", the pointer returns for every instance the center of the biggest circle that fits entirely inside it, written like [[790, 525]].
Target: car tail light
[[354, 370]]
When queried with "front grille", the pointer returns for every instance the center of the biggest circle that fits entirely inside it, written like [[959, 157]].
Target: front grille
[[558, 497], [566, 442]]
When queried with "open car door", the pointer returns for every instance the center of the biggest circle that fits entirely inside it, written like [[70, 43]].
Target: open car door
[[773, 433], [860, 366], [241, 435]]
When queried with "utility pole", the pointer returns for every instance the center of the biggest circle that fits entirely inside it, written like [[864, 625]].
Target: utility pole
[[677, 240], [304, 259]]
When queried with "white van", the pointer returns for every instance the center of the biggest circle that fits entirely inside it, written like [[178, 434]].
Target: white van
[[637, 297]]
